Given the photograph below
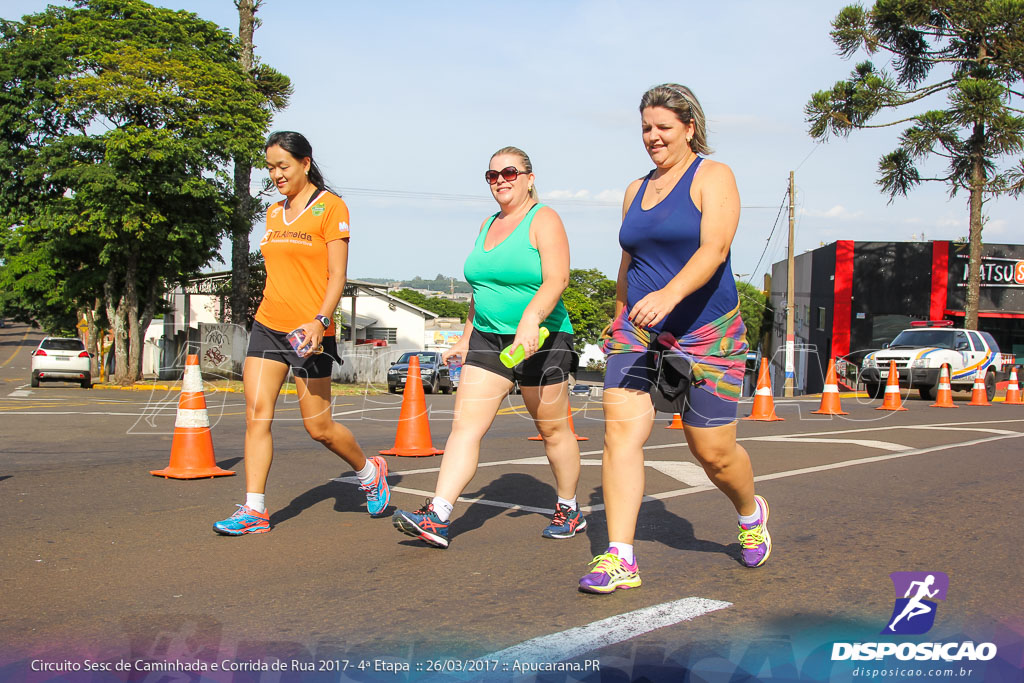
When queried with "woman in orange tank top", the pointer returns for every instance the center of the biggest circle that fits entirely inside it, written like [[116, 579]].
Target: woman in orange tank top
[[305, 249]]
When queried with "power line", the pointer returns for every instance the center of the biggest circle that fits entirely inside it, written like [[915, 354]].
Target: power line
[[469, 198], [768, 241]]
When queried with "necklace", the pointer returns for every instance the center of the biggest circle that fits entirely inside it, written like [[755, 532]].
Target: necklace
[[672, 176]]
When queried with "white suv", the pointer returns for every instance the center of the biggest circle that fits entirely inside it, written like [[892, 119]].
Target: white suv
[[921, 351], [62, 359]]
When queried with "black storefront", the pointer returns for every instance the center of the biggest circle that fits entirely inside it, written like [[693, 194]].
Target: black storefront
[[852, 297]]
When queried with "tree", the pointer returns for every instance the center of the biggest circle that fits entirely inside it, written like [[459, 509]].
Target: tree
[[752, 310], [445, 308], [276, 88], [590, 300], [117, 122], [969, 51]]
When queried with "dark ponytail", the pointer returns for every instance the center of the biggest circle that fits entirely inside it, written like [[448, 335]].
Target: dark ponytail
[[298, 146]]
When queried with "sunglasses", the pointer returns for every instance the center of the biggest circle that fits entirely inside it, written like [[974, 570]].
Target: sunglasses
[[509, 173]]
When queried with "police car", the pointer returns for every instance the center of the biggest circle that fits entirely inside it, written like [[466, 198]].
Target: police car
[[921, 351]]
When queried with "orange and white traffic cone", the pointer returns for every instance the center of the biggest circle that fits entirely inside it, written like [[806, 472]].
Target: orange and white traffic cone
[[892, 390], [192, 445], [413, 436], [1013, 397], [571, 429], [979, 394], [764, 404], [944, 394], [830, 396], [677, 422]]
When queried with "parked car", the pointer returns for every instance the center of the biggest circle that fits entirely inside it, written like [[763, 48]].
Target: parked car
[[433, 372], [921, 351], [61, 359]]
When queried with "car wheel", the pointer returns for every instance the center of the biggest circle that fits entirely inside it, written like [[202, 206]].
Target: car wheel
[[875, 390], [87, 381], [929, 393], [392, 390], [35, 380], [447, 389], [990, 385], [432, 387]]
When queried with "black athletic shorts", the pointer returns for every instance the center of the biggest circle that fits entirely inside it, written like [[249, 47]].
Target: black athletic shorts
[[552, 364], [273, 345]]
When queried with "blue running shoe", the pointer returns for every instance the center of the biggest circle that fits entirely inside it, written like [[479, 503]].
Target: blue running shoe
[[424, 524], [755, 541], [378, 493], [565, 523], [244, 521]]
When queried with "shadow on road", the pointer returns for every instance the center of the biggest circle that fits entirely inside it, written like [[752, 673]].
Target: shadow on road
[[6, 476], [510, 486], [655, 523], [346, 499]]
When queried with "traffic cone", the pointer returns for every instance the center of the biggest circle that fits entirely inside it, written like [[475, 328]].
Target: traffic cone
[[944, 394], [892, 390], [677, 422], [979, 395], [830, 396], [571, 429], [413, 436], [192, 445], [764, 404], [1013, 397]]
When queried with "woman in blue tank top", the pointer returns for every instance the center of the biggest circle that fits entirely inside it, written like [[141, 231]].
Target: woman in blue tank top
[[676, 305]]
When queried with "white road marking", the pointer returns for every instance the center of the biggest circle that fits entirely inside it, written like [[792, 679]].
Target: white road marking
[[686, 472], [578, 641], [696, 487], [866, 443], [19, 393]]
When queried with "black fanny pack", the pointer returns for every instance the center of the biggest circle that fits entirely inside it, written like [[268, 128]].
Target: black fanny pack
[[675, 376]]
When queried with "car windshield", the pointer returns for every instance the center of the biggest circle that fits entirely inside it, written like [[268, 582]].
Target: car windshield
[[424, 357], [62, 345], [918, 338]]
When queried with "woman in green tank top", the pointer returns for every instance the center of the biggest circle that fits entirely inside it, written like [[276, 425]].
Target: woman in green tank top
[[518, 268]]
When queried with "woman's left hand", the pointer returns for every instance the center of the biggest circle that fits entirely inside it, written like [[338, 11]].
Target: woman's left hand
[[653, 308], [314, 336], [528, 335]]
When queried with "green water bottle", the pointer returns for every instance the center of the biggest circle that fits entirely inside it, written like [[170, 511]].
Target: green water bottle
[[512, 358]]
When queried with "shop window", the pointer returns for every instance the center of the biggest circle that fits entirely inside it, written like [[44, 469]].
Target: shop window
[[821, 318]]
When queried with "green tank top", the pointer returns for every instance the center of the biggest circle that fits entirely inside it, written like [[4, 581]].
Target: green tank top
[[505, 280]]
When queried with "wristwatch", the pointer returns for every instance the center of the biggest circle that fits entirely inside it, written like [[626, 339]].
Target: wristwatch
[[324, 320]]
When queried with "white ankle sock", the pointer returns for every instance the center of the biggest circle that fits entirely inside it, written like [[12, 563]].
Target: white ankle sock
[[747, 520], [442, 508], [625, 551], [368, 473], [256, 501], [571, 502]]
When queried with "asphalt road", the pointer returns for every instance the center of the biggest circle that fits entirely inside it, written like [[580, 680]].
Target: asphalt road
[[101, 561]]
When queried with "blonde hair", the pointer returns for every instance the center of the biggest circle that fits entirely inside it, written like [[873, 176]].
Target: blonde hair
[[527, 165], [681, 101]]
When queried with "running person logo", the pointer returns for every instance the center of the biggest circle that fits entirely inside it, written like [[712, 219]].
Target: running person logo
[[916, 593]]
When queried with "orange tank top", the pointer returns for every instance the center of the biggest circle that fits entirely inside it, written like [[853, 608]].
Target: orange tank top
[[295, 255]]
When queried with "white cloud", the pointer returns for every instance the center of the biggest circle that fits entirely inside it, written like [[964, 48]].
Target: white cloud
[[604, 196], [610, 196], [566, 194]]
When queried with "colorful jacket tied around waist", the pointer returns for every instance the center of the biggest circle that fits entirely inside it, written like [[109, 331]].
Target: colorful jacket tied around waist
[[717, 351]]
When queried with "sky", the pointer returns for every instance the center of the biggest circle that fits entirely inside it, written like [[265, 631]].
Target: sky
[[404, 102]]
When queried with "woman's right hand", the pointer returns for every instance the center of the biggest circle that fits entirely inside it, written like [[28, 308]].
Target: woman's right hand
[[460, 349]]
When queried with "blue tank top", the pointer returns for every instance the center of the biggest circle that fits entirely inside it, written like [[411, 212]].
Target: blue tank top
[[660, 241]]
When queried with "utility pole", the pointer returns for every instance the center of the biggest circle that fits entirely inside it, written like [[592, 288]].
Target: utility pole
[[790, 298]]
